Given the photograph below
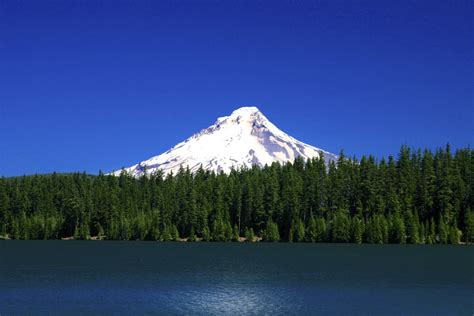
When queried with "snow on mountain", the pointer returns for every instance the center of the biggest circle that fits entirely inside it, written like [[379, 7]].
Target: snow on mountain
[[244, 138]]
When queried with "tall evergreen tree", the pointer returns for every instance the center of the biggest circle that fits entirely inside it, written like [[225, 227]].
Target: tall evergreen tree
[[271, 232]]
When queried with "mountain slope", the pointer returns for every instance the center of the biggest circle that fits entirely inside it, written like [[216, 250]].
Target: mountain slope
[[244, 138]]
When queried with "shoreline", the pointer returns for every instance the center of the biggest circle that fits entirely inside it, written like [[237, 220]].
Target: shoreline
[[241, 240]]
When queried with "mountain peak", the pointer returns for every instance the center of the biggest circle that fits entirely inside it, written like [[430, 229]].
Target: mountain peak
[[242, 139], [246, 111]]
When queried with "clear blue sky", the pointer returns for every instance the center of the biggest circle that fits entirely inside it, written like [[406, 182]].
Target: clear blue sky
[[89, 85]]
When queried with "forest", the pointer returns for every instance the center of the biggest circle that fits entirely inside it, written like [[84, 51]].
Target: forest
[[419, 197]]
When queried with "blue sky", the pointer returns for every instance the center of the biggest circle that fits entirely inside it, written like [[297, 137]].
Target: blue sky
[[89, 85]]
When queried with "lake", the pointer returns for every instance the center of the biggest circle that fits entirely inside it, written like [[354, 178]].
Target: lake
[[132, 277]]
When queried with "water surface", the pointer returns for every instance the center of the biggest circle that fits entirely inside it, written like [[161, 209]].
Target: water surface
[[112, 277]]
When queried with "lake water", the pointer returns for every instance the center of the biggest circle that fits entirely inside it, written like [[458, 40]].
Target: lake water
[[112, 277]]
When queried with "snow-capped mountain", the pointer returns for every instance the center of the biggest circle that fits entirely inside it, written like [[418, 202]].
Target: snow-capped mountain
[[244, 138]]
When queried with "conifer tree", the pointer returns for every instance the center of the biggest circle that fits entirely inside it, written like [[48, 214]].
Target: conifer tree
[[312, 230], [249, 235], [357, 231], [413, 236], [422, 236], [398, 232], [235, 233], [218, 230], [228, 231], [166, 234], [469, 226], [271, 232], [340, 228], [374, 231], [322, 230], [192, 235], [453, 235], [174, 233], [206, 234], [300, 231], [432, 232], [442, 231], [4, 208]]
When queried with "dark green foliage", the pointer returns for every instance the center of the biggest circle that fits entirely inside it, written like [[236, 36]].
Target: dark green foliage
[[174, 233], [206, 234], [169, 233], [312, 230], [249, 235], [235, 233], [340, 228], [443, 231], [469, 226], [218, 231], [453, 235], [192, 235], [357, 230], [413, 236], [271, 232], [374, 230], [431, 232], [419, 197], [297, 231]]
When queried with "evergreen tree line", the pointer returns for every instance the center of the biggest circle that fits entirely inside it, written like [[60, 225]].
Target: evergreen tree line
[[420, 197]]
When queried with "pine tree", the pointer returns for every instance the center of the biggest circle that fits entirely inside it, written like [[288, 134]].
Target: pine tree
[[4, 208], [206, 234], [322, 230], [218, 230], [235, 233], [469, 226], [291, 233], [271, 232], [297, 231], [421, 237], [397, 230], [192, 235], [100, 234], [412, 229], [249, 235], [174, 233], [312, 230], [453, 235], [166, 234], [432, 232], [384, 228], [357, 231], [442, 231], [300, 231], [228, 231], [374, 231], [426, 186], [340, 228], [84, 232]]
